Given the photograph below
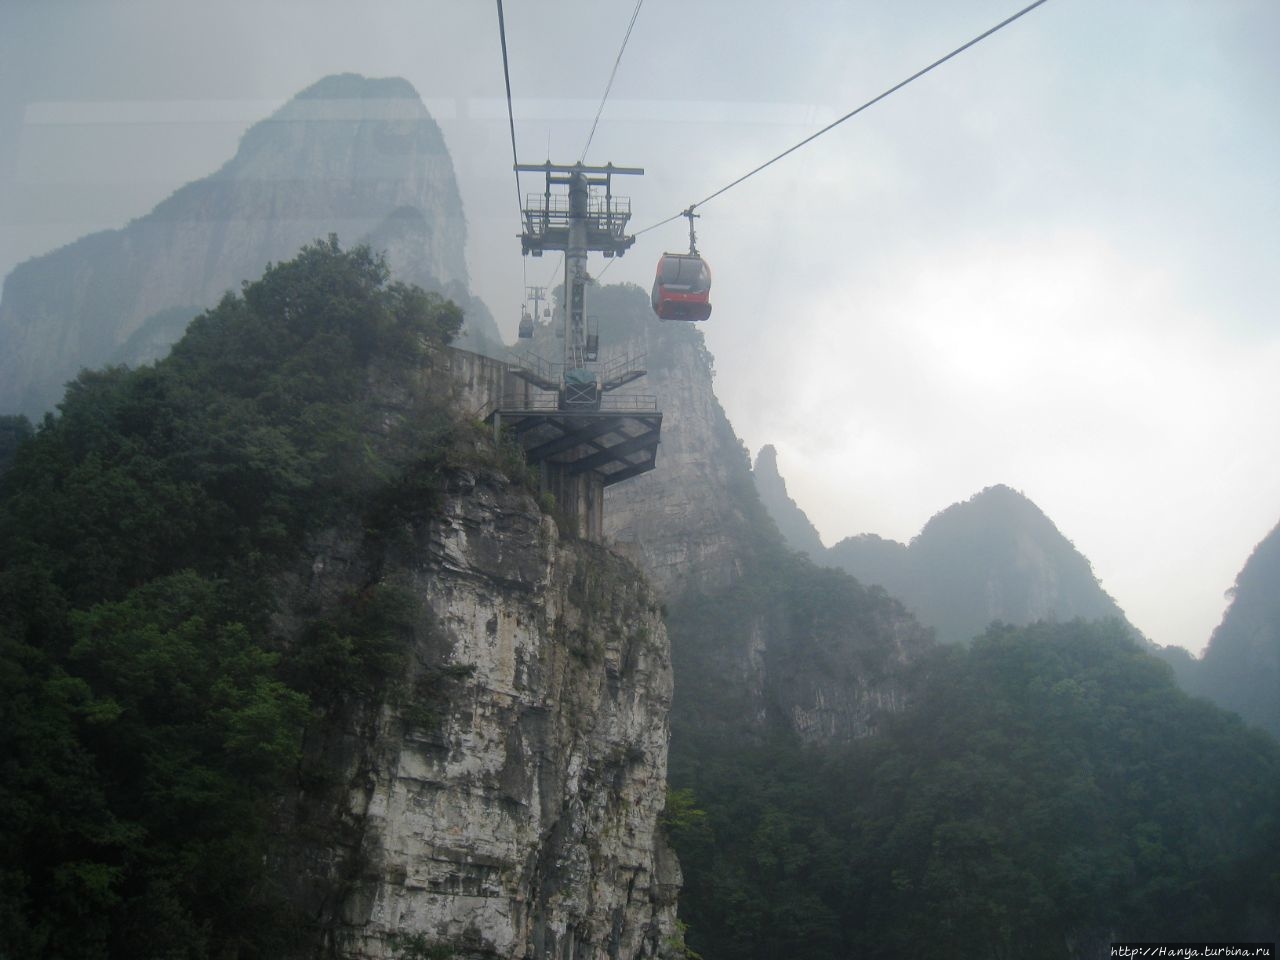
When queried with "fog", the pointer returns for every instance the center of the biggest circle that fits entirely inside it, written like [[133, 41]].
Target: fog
[[1049, 263]]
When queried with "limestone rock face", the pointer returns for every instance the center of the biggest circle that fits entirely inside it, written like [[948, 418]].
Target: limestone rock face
[[509, 808], [691, 522], [792, 522], [357, 157], [793, 650], [762, 640], [836, 684]]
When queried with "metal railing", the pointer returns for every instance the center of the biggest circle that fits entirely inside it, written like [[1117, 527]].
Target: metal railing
[[609, 403], [615, 365], [543, 369], [605, 214]]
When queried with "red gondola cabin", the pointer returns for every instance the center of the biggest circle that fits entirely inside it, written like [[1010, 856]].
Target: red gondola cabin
[[682, 287]]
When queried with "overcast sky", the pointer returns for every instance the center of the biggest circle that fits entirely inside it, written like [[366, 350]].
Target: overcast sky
[[1051, 263]]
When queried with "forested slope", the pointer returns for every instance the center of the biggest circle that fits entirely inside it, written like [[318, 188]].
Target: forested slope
[[152, 708], [1047, 791]]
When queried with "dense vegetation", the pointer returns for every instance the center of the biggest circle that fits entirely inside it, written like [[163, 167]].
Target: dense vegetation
[[1049, 791], [152, 705]]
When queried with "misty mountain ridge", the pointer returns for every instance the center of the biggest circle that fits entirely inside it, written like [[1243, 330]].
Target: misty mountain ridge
[[994, 557], [352, 156], [827, 739], [1240, 668], [997, 557]]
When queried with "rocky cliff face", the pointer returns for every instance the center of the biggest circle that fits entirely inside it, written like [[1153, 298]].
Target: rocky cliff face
[[796, 530], [694, 521], [792, 652], [763, 641], [357, 157], [508, 807]]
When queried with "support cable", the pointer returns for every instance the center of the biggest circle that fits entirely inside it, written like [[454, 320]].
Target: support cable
[[852, 113], [511, 117], [609, 86]]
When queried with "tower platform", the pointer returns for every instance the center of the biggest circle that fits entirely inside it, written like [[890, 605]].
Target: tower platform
[[579, 452]]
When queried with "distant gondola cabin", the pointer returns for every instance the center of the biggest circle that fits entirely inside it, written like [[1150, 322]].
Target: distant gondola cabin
[[682, 287]]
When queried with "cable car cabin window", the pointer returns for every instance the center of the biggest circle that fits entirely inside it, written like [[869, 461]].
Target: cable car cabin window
[[685, 273]]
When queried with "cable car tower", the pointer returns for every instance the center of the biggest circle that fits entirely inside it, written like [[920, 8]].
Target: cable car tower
[[580, 435], [528, 320], [536, 295], [576, 222]]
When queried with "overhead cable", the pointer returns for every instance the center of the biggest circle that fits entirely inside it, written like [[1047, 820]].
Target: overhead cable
[[511, 117], [852, 113], [609, 86]]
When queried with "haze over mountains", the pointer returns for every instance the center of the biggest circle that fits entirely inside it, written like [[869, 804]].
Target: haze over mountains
[[997, 557], [1240, 668], [362, 157], [487, 696], [349, 155], [993, 557]]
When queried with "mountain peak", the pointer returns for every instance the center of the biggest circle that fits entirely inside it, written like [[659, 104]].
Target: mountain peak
[[995, 556], [997, 508], [1000, 491], [794, 525], [353, 156], [353, 86], [767, 460]]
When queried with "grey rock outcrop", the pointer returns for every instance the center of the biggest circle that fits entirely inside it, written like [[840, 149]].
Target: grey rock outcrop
[[356, 157], [794, 651], [694, 521], [792, 522], [508, 808], [763, 640]]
